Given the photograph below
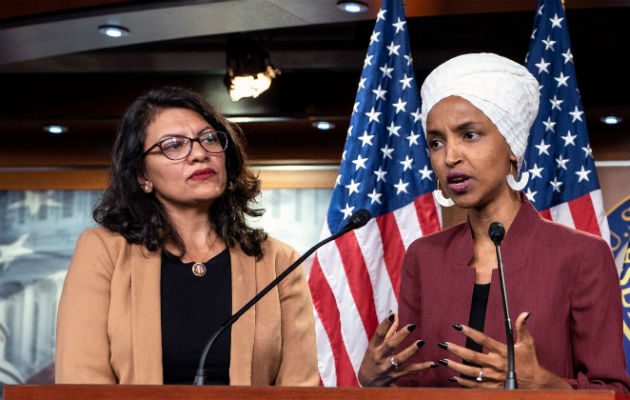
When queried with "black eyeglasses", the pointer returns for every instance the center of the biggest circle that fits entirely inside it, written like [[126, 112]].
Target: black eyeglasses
[[179, 147]]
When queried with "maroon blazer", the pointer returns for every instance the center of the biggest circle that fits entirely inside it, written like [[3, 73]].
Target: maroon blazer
[[566, 278]]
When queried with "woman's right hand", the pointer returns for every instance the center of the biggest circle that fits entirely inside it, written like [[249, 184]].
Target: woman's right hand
[[380, 367]]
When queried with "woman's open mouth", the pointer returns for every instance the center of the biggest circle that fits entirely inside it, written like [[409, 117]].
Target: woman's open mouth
[[458, 182]]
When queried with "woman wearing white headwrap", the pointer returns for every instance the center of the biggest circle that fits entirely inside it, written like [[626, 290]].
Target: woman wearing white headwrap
[[477, 110]]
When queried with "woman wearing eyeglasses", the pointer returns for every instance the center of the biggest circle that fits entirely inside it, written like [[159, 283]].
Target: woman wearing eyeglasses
[[174, 258]]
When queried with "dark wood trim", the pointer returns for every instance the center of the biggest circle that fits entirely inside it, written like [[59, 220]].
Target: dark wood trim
[[76, 392]]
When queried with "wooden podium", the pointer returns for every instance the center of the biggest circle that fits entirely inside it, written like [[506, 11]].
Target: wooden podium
[[132, 392]]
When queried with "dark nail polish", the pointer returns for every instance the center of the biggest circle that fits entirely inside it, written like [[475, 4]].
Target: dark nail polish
[[528, 315], [434, 365], [411, 327], [458, 327], [452, 379], [419, 343], [391, 317], [443, 362], [443, 345]]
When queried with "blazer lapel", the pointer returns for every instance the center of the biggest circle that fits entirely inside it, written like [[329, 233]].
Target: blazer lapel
[[460, 283], [146, 329], [516, 252], [242, 336]]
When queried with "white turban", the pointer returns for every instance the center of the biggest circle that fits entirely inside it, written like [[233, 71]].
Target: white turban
[[505, 91]]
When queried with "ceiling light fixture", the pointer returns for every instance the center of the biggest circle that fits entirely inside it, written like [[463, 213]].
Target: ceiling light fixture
[[249, 69], [55, 129], [323, 125], [352, 7], [113, 31], [611, 120]]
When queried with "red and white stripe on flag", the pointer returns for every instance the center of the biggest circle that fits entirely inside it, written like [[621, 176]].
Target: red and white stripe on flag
[[354, 282], [585, 213], [384, 169]]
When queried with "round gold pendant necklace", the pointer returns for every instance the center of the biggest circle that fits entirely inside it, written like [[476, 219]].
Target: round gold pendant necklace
[[199, 269]]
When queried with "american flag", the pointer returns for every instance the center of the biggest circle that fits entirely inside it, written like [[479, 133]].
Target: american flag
[[563, 182], [385, 168]]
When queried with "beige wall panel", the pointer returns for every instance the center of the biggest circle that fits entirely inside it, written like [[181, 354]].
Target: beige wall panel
[[614, 181]]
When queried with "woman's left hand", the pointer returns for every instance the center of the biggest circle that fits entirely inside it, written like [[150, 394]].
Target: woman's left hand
[[529, 373]]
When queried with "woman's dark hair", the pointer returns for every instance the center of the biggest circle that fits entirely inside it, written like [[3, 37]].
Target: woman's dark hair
[[139, 217]]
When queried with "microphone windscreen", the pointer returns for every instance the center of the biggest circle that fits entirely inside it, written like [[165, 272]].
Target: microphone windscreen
[[359, 218], [496, 233]]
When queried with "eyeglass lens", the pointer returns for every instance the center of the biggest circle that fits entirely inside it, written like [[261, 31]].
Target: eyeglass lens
[[180, 147]]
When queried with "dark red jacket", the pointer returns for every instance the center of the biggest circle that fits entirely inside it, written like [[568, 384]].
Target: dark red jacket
[[566, 278]]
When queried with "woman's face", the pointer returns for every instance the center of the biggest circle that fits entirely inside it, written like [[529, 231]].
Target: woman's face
[[469, 155], [194, 181]]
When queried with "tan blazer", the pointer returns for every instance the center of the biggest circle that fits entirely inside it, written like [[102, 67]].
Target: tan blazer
[[109, 324]]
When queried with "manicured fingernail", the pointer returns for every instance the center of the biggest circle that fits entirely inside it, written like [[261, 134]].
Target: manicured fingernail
[[434, 365], [419, 343], [443, 362], [391, 317], [443, 345], [452, 379], [411, 327], [457, 327], [528, 314]]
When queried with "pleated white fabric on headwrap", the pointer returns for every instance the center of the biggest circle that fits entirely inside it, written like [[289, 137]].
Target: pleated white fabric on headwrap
[[505, 91]]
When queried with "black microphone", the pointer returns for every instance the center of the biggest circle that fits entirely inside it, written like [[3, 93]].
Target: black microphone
[[357, 220], [496, 233]]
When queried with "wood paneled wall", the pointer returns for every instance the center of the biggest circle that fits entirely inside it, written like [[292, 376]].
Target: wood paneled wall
[[614, 182]]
